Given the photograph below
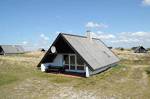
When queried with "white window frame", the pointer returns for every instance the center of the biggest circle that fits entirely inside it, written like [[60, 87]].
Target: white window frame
[[75, 64]]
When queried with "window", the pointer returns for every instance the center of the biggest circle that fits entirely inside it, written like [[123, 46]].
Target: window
[[66, 66], [80, 63], [72, 59], [80, 67], [72, 62], [66, 61]]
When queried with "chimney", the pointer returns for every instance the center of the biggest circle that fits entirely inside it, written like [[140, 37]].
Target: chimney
[[89, 35]]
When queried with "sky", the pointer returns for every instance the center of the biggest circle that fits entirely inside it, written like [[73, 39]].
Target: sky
[[36, 23]]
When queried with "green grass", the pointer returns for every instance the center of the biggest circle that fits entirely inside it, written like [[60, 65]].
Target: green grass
[[7, 79], [147, 70]]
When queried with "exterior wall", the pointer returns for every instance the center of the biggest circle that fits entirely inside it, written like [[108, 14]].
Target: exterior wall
[[58, 61], [44, 67]]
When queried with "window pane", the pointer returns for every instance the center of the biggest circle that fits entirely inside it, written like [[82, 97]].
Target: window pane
[[72, 60], [66, 59], [66, 66], [80, 61], [80, 67], [72, 67]]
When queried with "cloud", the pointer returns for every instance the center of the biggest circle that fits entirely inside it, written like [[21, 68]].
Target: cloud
[[24, 42], [95, 25], [43, 41], [103, 36], [57, 32], [125, 39], [28, 45], [140, 34], [146, 2], [44, 37]]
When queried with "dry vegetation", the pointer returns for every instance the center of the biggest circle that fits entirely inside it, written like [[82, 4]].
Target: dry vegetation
[[20, 79]]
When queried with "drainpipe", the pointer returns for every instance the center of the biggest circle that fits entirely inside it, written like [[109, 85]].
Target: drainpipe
[[87, 71]]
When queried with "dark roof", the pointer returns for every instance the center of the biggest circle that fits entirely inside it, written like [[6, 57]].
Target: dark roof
[[10, 49], [139, 49], [41, 49], [133, 48], [94, 52]]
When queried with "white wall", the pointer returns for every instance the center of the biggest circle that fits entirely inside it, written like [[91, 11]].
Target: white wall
[[58, 61], [87, 73], [44, 67]]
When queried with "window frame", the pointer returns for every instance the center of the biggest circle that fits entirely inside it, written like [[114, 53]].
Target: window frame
[[76, 65]]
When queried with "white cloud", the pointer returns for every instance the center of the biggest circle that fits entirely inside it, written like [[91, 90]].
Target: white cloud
[[129, 39], [139, 34], [24, 42], [124, 39], [57, 32], [28, 45], [146, 2], [103, 36], [43, 41], [44, 37], [95, 25]]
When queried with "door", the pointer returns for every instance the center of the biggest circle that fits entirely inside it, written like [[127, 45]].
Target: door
[[72, 62]]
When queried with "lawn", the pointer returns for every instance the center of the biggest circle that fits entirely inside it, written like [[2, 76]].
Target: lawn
[[20, 79]]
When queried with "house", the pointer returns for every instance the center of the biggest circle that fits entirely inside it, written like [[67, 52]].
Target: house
[[11, 49], [110, 47], [78, 54], [120, 48], [41, 50], [139, 49]]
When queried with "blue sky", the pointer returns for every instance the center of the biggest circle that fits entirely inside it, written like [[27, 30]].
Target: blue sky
[[36, 23]]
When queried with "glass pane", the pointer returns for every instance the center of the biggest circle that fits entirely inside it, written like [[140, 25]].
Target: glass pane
[[66, 66], [72, 60], [80, 67], [80, 61], [66, 59], [72, 67]]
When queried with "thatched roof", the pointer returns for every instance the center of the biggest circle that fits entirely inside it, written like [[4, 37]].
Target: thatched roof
[[11, 49]]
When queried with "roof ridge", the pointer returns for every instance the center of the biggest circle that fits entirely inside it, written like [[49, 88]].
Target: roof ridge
[[79, 36], [73, 35]]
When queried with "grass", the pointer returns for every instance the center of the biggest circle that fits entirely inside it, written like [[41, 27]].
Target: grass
[[147, 70], [19, 78], [6, 79]]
